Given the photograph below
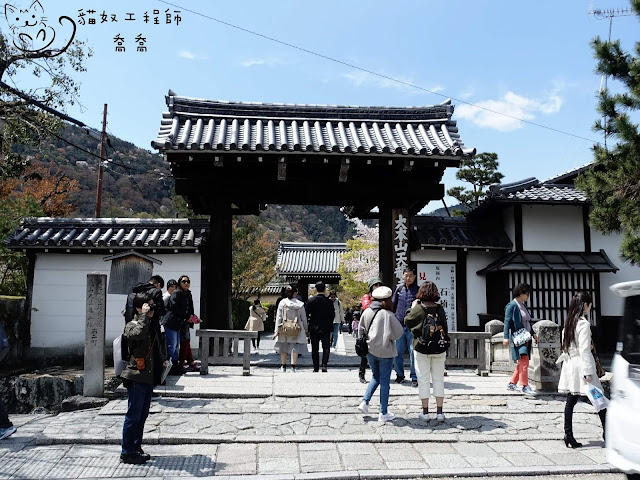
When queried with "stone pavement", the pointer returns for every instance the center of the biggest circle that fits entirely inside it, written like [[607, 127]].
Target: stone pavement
[[305, 425]]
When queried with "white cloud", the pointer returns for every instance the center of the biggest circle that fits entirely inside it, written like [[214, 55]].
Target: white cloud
[[190, 55], [513, 108], [364, 79], [267, 62]]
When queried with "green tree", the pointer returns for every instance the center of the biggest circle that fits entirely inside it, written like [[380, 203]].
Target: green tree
[[613, 185], [480, 171], [21, 122], [253, 259]]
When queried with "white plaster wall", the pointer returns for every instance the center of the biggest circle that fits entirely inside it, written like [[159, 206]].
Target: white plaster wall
[[611, 304], [477, 284], [547, 227], [59, 296]]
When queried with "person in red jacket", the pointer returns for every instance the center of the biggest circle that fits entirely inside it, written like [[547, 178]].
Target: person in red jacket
[[372, 283]]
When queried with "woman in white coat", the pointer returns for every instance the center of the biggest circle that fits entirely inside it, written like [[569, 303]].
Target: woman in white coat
[[578, 364], [290, 308], [255, 323]]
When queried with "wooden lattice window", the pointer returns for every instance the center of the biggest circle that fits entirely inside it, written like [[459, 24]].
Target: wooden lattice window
[[552, 292]]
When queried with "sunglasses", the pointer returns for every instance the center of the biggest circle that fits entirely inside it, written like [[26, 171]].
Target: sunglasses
[[185, 281]]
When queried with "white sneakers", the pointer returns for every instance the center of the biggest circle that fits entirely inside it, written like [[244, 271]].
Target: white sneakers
[[527, 390], [387, 417], [425, 416], [363, 407]]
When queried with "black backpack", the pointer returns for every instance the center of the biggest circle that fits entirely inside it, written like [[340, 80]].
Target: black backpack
[[433, 338]]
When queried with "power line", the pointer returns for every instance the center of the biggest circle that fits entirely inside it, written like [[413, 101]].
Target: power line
[[371, 72]]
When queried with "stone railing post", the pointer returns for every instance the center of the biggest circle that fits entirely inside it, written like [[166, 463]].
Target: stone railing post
[[544, 374], [493, 327]]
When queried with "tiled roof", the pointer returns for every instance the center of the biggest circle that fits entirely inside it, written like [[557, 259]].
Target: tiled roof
[[309, 259], [532, 191], [437, 232], [205, 125], [568, 176], [552, 262], [108, 233]]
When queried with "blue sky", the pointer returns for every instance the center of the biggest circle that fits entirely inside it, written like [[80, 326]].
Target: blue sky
[[529, 60]]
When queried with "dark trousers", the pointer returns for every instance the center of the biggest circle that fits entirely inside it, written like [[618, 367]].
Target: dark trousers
[[316, 338], [137, 413], [572, 400], [363, 366], [256, 341], [4, 417]]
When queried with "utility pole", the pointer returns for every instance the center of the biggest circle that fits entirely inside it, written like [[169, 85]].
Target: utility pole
[[103, 157]]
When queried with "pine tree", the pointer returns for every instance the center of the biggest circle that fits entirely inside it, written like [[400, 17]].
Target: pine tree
[[613, 185], [480, 171]]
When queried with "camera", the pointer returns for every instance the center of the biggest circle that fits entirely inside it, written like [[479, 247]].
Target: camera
[[152, 306]]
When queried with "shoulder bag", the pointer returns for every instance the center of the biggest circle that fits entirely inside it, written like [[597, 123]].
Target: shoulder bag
[[362, 348], [289, 328], [521, 337]]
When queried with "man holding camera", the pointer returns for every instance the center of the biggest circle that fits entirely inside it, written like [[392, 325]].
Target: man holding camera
[[145, 345]]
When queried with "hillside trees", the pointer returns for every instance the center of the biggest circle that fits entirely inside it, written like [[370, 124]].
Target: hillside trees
[[253, 258], [613, 185]]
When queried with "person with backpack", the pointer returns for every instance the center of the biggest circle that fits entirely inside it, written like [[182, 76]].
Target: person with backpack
[[145, 345], [381, 329], [365, 301], [291, 329], [428, 323], [403, 297]]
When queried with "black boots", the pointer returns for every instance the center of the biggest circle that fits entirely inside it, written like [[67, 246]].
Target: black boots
[[571, 442]]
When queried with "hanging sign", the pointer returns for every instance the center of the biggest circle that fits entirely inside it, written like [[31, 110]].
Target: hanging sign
[[444, 276], [400, 242]]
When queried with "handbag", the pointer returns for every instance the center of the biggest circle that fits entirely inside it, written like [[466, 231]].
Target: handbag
[[599, 370], [289, 328], [118, 363], [521, 337], [362, 348]]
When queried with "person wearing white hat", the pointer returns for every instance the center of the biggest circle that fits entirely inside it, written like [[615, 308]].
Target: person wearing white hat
[[381, 328]]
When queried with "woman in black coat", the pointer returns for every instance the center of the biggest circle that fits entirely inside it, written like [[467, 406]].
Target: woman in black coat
[[182, 318]]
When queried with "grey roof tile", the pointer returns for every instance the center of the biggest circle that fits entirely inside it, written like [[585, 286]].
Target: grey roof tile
[[296, 258], [195, 124], [428, 231], [108, 233]]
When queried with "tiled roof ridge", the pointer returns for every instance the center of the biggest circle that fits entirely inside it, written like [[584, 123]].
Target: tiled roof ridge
[[113, 221], [312, 245], [178, 104], [569, 173]]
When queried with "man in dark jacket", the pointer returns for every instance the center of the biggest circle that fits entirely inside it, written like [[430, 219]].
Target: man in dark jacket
[[145, 345], [403, 297], [320, 315]]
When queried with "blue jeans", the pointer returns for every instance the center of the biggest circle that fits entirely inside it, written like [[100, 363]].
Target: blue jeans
[[380, 375], [403, 343], [137, 413], [336, 331], [173, 344]]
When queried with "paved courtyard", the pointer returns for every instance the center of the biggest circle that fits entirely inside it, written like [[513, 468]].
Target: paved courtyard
[[305, 425]]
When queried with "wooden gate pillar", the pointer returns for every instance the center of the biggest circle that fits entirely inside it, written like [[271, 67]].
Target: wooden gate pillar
[[218, 272]]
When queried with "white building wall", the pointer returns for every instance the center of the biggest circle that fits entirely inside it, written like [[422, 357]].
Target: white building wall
[[552, 227], [59, 297], [610, 304], [477, 284]]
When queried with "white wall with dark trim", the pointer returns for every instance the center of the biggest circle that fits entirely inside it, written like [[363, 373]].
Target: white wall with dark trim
[[552, 227], [59, 297]]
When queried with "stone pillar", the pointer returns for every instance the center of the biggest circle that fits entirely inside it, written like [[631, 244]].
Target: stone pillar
[[544, 374], [94, 335], [499, 356]]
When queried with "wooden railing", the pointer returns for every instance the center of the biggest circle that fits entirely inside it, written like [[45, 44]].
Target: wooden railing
[[224, 344], [468, 349]]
